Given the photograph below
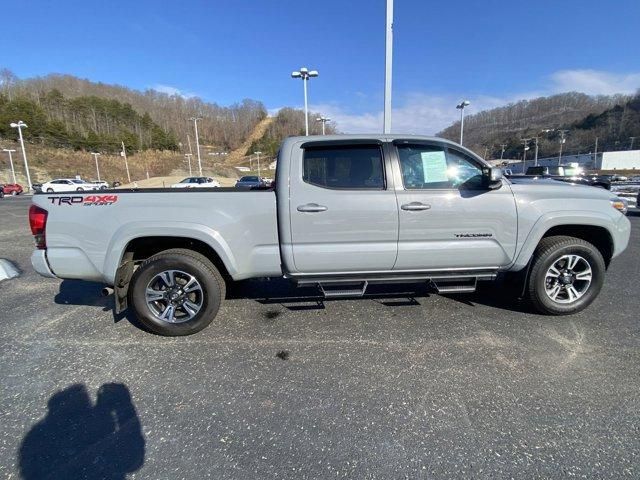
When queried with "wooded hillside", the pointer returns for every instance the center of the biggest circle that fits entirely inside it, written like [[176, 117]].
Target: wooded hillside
[[62, 110], [613, 119]]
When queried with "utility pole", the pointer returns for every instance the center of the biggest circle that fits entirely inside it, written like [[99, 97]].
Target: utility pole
[[95, 156], [20, 125], [189, 155], [126, 163], [502, 148], [562, 140], [189, 142], [13, 172], [525, 141], [595, 155], [632, 139], [388, 68], [195, 125], [258, 154]]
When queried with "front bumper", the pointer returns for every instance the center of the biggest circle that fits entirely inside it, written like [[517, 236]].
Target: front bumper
[[40, 263]]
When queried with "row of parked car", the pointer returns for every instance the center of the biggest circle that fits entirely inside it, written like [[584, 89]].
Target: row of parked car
[[248, 181]]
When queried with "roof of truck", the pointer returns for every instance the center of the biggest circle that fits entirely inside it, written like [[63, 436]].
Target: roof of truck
[[383, 137]]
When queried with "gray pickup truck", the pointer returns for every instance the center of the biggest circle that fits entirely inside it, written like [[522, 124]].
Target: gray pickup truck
[[346, 211]]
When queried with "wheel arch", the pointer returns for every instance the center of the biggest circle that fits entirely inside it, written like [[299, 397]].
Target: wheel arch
[[593, 227]]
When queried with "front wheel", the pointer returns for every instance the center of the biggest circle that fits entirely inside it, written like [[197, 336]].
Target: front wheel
[[566, 275], [14, 193], [176, 292]]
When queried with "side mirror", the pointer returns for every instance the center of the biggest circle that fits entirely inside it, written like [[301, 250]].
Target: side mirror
[[492, 178]]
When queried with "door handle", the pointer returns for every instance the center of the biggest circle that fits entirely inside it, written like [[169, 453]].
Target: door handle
[[415, 206], [311, 207]]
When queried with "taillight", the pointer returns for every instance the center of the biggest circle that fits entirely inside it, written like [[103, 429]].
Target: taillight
[[38, 224]]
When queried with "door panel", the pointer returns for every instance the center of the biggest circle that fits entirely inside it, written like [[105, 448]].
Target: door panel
[[343, 219], [446, 221]]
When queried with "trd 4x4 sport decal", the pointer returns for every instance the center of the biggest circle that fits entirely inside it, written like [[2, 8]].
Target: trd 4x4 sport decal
[[88, 201]]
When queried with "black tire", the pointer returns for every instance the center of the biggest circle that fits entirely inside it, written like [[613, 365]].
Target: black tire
[[192, 263], [49, 190], [1, 194], [549, 251], [14, 193], [79, 189]]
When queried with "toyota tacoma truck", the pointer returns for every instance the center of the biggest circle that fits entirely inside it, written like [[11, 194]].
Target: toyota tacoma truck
[[346, 211]]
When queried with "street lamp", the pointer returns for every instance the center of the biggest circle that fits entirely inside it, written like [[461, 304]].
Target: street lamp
[[188, 156], [20, 125], [324, 120], [13, 172], [460, 106], [95, 156], [304, 73], [258, 154], [195, 125]]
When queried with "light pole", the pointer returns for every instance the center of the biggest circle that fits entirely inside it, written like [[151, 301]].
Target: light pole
[[324, 120], [502, 148], [632, 140], [546, 130], [305, 74], [95, 156], [188, 156], [195, 125], [524, 156], [20, 125], [258, 154], [126, 163], [13, 172], [562, 140], [460, 106], [388, 68]]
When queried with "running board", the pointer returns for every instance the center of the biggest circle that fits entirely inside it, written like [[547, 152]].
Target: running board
[[465, 286], [342, 290]]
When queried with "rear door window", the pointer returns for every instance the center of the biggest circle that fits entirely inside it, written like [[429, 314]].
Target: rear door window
[[344, 167]]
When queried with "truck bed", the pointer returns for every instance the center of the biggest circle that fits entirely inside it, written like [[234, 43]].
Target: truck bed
[[87, 233]]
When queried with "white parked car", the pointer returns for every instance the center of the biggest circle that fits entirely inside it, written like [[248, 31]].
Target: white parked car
[[68, 185], [101, 184], [196, 182]]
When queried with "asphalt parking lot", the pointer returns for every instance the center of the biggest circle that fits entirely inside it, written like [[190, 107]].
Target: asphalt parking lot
[[391, 386]]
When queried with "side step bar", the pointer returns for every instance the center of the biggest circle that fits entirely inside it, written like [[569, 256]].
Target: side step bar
[[344, 289], [337, 290], [459, 286]]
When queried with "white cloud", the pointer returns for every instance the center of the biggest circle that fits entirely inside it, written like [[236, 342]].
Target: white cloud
[[595, 82], [173, 91], [421, 113]]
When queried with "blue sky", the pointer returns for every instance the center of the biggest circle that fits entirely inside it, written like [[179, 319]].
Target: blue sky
[[490, 51]]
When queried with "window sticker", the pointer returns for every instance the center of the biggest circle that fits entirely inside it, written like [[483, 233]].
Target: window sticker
[[434, 166]]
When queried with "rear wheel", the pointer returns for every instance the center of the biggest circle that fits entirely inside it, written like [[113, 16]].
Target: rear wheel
[[14, 193], [49, 190], [566, 275], [176, 292]]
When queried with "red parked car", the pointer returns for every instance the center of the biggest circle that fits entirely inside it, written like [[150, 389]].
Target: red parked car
[[12, 189]]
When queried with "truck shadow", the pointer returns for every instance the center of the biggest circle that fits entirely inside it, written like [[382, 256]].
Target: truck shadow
[[278, 291], [282, 292]]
